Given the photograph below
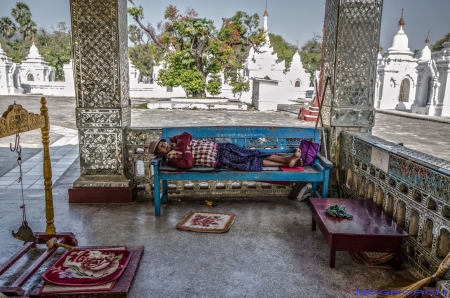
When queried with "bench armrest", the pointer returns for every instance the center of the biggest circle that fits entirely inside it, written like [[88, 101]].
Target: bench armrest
[[156, 161], [324, 162]]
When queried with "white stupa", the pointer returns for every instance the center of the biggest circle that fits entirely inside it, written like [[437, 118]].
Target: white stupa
[[35, 69], [397, 71], [7, 69]]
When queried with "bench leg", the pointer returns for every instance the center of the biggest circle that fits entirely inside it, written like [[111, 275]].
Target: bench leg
[[314, 188], [326, 183], [165, 193], [156, 192]]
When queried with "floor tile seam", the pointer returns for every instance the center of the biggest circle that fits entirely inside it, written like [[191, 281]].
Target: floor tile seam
[[36, 159], [62, 129], [27, 169], [65, 141]]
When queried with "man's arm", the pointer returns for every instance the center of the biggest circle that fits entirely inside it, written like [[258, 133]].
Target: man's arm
[[185, 161], [183, 158], [181, 141]]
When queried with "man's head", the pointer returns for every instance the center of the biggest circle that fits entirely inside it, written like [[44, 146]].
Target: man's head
[[159, 147]]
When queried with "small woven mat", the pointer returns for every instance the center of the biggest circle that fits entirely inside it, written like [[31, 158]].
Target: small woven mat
[[206, 222], [378, 260], [88, 267], [53, 289]]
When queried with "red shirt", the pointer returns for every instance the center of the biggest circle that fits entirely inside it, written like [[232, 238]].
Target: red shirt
[[188, 153]]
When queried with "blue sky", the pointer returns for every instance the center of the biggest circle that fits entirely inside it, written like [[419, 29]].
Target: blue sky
[[292, 19]]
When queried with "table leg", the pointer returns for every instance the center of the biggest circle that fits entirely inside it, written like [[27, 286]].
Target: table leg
[[397, 254], [313, 226], [332, 254]]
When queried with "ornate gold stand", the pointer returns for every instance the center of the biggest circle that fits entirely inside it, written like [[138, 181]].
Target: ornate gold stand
[[14, 121]]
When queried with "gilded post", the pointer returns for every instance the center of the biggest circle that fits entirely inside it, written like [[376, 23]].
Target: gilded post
[[49, 213]]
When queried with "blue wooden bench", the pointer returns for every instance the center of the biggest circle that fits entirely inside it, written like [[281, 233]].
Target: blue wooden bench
[[276, 140]]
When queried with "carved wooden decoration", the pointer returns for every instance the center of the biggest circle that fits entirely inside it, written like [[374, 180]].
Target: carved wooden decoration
[[17, 120]]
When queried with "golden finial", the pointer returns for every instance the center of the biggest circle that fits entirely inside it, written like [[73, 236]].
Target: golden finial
[[402, 21], [427, 40], [266, 14]]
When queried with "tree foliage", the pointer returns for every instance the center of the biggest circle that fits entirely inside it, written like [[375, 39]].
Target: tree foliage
[[54, 46], [194, 52], [143, 54], [439, 45], [311, 54], [282, 48], [22, 15], [7, 27]]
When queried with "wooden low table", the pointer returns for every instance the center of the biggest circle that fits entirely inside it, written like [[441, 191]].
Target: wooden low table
[[370, 230]]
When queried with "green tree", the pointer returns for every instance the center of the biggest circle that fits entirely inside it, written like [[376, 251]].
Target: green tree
[[17, 50], [55, 48], [7, 27], [439, 45], [282, 48], [195, 52], [144, 54], [311, 54], [214, 85], [22, 15]]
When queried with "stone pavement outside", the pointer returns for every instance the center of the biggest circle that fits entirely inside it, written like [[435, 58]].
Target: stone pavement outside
[[270, 251]]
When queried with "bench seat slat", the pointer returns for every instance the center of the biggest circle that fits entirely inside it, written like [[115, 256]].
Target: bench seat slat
[[309, 174]]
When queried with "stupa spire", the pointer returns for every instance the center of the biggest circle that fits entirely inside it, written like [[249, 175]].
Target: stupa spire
[[402, 21], [425, 54], [266, 29]]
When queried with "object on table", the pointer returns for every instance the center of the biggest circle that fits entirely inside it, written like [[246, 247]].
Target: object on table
[[338, 211]]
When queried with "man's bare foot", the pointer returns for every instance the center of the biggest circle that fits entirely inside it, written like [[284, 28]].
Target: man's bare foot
[[299, 163], [292, 161]]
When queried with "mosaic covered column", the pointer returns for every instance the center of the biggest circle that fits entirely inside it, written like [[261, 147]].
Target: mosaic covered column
[[351, 39], [99, 35]]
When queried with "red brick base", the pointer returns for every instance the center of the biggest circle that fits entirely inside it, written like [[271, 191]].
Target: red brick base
[[96, 195]]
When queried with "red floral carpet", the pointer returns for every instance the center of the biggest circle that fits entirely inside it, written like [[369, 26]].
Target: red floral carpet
[[206, 222], [81, 267]]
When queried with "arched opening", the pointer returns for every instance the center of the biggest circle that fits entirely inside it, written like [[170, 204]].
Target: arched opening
[[443, 242], [30, 77], [169, 89], [297, 83], [390, 205], [404, 91], [414, 224], [370, 190], [380, 197], [355, 181], [423, 262], [348, 181], [429, 91], [427, 237], [400, 213], [362, 187]]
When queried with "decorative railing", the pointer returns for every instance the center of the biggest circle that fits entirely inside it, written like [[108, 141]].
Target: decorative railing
[[412, 187]]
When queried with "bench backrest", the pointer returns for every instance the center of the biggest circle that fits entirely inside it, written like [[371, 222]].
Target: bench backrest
[[270, 139]]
